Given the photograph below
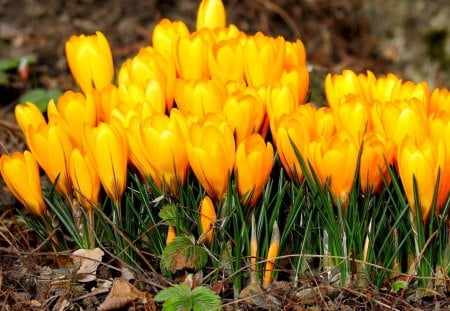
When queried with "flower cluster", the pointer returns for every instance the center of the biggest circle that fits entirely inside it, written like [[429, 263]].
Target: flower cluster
[[219, 102]]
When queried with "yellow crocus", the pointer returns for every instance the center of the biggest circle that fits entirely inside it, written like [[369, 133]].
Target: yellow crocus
[[295, 55], [191, 57], [28, 114], [106, 145], [377, 152], [245, 113], [404, 118], [166, 33], [422, 161], [211, 14], [254, 160], [90, 61], [272, 253], [340, 85], [20, 172], [75, 110], [264, 59], [334, 160], [85, 180], [297, 79], [280, 101], [51, 146], [439, 101], [295, 129], [211, 154], [351, 113], [325, 125], [226, 60], [199, 97], [171, 234], [164, 137], [207, 218], [109, 99]]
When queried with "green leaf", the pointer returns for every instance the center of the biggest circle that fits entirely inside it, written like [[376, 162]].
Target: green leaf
[[397, 285], [184, 253], [177, 290], [40, 97], [168, 214], [3, 78], [9, 63], [180, 297], [205, 299]]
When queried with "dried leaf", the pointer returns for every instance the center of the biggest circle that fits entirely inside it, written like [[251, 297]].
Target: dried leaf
[[88, 261], [184, 253], [123, 293]]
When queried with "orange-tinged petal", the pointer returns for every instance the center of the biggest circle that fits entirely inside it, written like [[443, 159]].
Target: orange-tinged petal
[[272, 253], [21, 174], [106, 145], [85, 180], [207, 217], [90, 61], [254, 160]]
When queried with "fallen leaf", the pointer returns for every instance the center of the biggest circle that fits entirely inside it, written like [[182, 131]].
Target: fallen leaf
[[123, 293], [88, 261]]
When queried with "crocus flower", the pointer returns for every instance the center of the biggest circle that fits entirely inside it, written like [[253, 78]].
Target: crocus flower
[[171, 234], [272, 254], [107, 147], [280, 101], [164, 137], [28, 114], [85, 180], [377, 152], [211, 14], [421, 161], [439, 101], [340, 85], [211, 154], [207, 218], [264, 59], [191, 57], [199, 97], [74, 111], [90, 61], [295, 129], [334, 160], [352, 114], [254, 160], [226, 60], [166, 33], [51, 146], [20, 172], [245, 113]]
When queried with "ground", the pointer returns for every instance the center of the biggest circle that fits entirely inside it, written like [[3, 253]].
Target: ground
[[410, 39]]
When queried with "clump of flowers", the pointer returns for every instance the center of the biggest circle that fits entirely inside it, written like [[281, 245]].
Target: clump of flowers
[[213, 107]]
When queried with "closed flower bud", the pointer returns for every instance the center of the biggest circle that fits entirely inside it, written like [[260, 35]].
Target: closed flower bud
[[207, 218], [85, 180], [107, 147], [28, 114], [211, 14], [90, 61], [421, 161], [211, 154], [51, 146], [74, 111], [254, 160], [21, 174]]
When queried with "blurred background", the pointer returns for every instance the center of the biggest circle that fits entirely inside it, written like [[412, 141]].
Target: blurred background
[[408, 37]]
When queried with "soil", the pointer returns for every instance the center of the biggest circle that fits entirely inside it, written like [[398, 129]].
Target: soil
[[337, 34]]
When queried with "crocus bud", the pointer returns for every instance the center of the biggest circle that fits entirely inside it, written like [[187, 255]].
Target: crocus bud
[[211, 14], [90, 61], [254, 160], [272, 253], [207, 218], [21, 174], [28, 114], [107, 146]]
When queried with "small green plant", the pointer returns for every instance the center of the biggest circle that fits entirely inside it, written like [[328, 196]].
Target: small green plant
[[181, 297]]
